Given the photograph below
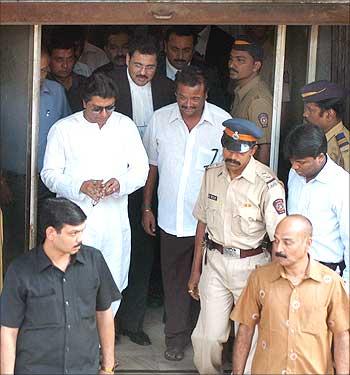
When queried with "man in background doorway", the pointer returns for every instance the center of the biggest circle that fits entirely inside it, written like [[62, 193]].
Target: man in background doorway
[[253, 99], [324, 106], [62, 60], [179, 44], [53, 106], [116, 46]]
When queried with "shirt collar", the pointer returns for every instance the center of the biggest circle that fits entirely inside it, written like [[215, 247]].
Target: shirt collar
[[248, 172], [43, 261], [334, 131], [312, 271], [206, 116], [170, 69], [241, 92], [323, 175], [134, 87]]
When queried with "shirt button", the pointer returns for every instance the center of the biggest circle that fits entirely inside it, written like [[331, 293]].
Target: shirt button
[[293, 356], [65, 371], [64, 280], [67, 303], [68, 326], [67, 349]]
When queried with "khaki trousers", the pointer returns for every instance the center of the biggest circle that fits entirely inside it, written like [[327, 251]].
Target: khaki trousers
[[222, 281]]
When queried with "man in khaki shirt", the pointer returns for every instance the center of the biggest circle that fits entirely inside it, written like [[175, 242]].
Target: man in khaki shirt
[[297, 304], [324, 105], [253, 99], [240, 201]]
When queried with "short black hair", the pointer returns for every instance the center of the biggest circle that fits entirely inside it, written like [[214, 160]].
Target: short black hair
[[337, 104], [145, 45], [181, 30], [115, 30], [99, 84], [191, 75], [306, 140], [57, 212], [60, 39]]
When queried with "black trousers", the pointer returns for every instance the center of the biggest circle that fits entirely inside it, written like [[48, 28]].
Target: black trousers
[[133, 306], [333, 266], [181, 310]]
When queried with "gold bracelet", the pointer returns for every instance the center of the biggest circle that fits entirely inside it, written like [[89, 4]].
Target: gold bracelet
[[108, 370]]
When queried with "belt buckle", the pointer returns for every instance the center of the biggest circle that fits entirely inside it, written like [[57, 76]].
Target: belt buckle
[[232, 252]]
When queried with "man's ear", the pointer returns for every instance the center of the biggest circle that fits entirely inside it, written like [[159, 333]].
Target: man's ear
[[257, 66], [254, 149], [51, 233], [331, 114]]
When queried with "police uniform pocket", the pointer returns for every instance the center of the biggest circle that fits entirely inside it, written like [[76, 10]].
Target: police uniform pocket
[[213, 215], [42, 310], [248, 219]]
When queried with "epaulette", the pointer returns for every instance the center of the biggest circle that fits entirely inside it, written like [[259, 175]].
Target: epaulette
[[269, 179], [342, 141], [212, 166]]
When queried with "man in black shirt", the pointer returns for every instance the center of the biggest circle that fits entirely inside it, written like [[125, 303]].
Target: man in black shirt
[[56, 302]]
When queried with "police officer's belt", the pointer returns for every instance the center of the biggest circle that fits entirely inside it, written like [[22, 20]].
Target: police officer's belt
[[233, 251]]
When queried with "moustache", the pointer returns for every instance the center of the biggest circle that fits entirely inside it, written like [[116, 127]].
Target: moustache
[[233, 161], [186, 108], [78, 245], [281, 255], [141, 76], [180, 61]]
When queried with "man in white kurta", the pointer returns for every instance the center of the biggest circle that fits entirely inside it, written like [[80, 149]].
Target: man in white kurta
[[96, 158]]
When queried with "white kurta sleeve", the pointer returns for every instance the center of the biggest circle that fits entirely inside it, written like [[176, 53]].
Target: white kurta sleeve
[[137, 163], [53, 174], [150, 141]]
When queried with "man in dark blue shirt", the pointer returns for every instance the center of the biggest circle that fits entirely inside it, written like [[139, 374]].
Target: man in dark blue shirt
[[56, 302]]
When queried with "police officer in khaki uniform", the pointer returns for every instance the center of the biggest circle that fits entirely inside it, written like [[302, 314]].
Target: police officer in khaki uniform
[[253, 99], [240, 201], [324, 105]]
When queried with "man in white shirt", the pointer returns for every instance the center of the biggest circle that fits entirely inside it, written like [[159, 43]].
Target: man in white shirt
[[319, 189], [181, 140], [96, 158]]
